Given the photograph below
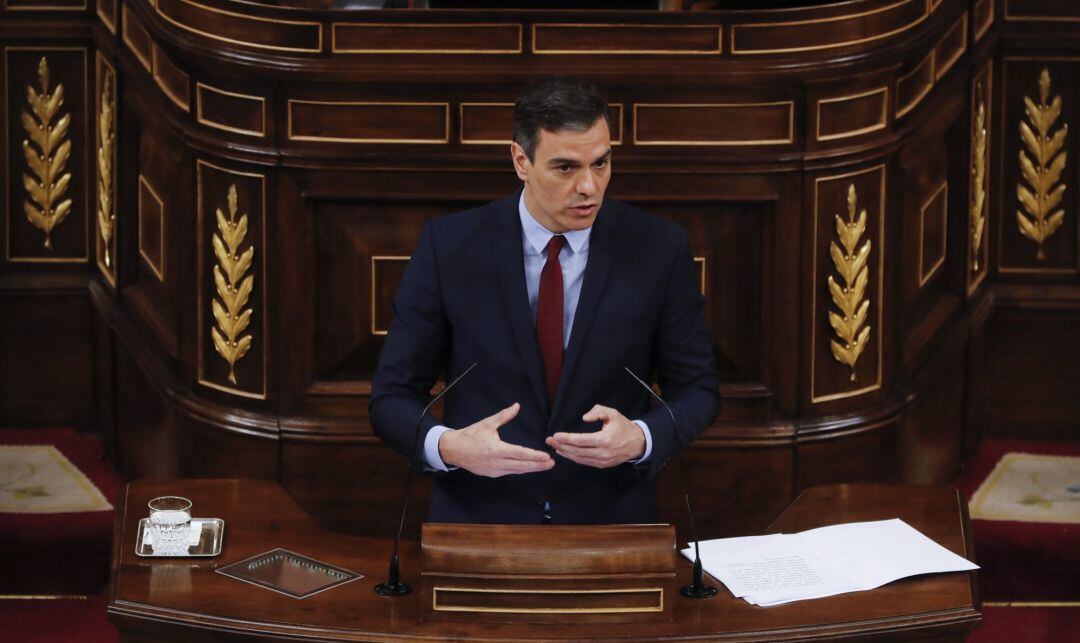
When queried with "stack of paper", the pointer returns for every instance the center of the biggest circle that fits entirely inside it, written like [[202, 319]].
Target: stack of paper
[[781, 568]]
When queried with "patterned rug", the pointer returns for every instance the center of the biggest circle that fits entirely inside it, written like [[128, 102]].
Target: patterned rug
[[1027, 487], [39, 479]]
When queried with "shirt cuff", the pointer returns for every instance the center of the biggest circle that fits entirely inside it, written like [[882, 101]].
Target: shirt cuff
[[432, 460], [648, 443]]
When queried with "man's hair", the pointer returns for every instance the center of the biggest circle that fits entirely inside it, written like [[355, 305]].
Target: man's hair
[[556, 103]]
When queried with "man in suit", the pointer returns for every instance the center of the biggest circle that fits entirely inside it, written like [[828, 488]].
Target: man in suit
[[552, 292]]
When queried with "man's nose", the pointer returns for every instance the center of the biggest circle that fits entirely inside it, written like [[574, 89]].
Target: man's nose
[[586, 184]]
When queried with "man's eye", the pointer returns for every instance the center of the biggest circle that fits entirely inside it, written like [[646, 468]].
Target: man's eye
[[565, 168], [602, 163]]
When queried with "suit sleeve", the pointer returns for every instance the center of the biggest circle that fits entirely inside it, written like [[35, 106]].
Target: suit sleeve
[[415, 352], [687, 372]]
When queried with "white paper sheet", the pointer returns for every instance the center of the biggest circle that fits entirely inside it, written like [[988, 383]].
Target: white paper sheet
[[781, 568]]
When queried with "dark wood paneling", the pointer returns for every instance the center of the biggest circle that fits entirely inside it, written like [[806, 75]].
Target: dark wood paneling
[[230, 111], [107, 11], [950, 48], [68, 241], [1032, 386], [492, 123], [368, 122], [868, 454], [47, 368], [913, 86], [626, 39], [234, 28], [846, 115], [982, 140], [171, 79], [137, 38], [1041, 10], [405, 38], [714, 124]]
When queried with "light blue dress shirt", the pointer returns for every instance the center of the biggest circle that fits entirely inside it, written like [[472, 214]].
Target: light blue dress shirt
[[573, 257]]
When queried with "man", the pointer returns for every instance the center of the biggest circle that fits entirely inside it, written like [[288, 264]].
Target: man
[[552, 292]]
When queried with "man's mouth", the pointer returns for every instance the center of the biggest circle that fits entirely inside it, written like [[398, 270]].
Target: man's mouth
[[584, 209]]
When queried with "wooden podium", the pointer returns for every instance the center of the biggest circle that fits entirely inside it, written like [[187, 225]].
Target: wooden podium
[[175, 599]]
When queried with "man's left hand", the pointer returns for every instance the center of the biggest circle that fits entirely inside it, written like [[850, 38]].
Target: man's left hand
[[617, 441]]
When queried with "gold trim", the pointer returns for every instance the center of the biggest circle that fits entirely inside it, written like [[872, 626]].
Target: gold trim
[[943, 68], [659, 591], [702, 261], [593, 26], [105, 144], [1042, 168], [852, 327], [334, 48], [931, 60], [234, 285], [125, 19], [228, 128], [7, 178], [335, 139], [184, 104], [242, 16], [1031, 603], [735, 27], [925, 277], [816, 399], [720, 143], [43, 597], [981, 30], [374, 329], [883, 121], [83, 7], [979, 158], [984, 77], [482, 141], [157, 270], [934, 4], [200, 362], [1011, 18], [48, 156], [111, 26]]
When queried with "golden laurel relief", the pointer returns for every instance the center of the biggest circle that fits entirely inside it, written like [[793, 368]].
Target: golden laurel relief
[[1041, 167], [106, 215], [47, 152], [978, 181], [233, 288], [852, 265]]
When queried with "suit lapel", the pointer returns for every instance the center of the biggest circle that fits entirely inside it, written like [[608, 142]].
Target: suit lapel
[[603, 243], [510, 267]]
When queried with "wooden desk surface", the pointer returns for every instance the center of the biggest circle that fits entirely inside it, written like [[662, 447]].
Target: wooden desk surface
[[180, 599]]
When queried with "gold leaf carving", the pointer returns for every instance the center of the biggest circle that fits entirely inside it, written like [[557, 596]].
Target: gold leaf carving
[[47, 151], [106, 215], [232, 286], [850, 260], [1041, 167], [978, 181]]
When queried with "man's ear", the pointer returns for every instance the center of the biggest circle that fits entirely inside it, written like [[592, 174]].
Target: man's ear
[[521, 160]]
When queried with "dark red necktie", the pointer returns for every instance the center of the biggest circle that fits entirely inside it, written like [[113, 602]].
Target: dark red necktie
[[549, 316]]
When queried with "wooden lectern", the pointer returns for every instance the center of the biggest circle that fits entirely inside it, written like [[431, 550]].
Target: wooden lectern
[[549, 573]]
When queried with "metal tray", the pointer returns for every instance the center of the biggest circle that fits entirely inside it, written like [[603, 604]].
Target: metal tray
[[206, 537]]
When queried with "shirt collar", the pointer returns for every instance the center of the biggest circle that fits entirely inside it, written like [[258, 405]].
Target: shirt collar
[[537, 236]]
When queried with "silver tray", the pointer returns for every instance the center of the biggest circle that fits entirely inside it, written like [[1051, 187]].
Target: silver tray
[[206, 537]]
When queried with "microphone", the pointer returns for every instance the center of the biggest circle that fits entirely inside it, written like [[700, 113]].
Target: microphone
[[394, 586], [697, 588]]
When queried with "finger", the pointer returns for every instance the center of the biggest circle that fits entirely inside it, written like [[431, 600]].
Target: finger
[[591, 440], [599, 463], [579, 452], [598, 413], [522, 454], [519, 466], [502, 417]]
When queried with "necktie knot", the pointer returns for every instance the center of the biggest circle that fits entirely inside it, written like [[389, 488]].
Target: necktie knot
[[555, 246]]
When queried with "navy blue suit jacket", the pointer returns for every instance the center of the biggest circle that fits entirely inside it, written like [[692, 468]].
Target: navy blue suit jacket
[[463, 299]]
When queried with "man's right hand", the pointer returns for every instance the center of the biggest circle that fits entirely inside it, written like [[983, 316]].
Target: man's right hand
[[478, 449]]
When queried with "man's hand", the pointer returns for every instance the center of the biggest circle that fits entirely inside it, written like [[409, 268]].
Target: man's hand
[[618, 441], [479, 449]]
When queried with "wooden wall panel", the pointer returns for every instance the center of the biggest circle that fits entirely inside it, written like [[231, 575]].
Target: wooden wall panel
[[1041, 11], [105, 125], [63, 232], [233, 28], [626, 39], [425, 38], [368, 122], [714, 124], [978, 203], [230, 111], [847, 115], [831, 380], [493, 123], [1016, 254], [231, 273]]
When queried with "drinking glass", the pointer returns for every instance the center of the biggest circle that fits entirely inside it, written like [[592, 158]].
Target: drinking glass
[[169, 525]]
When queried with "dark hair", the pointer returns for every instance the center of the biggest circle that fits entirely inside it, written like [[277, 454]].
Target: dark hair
[[556, 103]]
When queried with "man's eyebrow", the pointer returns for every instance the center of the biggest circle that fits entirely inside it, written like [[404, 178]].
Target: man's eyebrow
[[575, 163]]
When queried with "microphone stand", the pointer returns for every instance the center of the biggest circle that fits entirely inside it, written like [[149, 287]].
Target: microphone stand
[[697, 588], [394, 586]]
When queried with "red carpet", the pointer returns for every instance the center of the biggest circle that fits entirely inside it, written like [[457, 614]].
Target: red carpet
[[56, 621], [1023, 561], [59, 554], [1028, 625]]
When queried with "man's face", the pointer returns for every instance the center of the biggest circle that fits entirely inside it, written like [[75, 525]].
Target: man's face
[[565, 181]]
